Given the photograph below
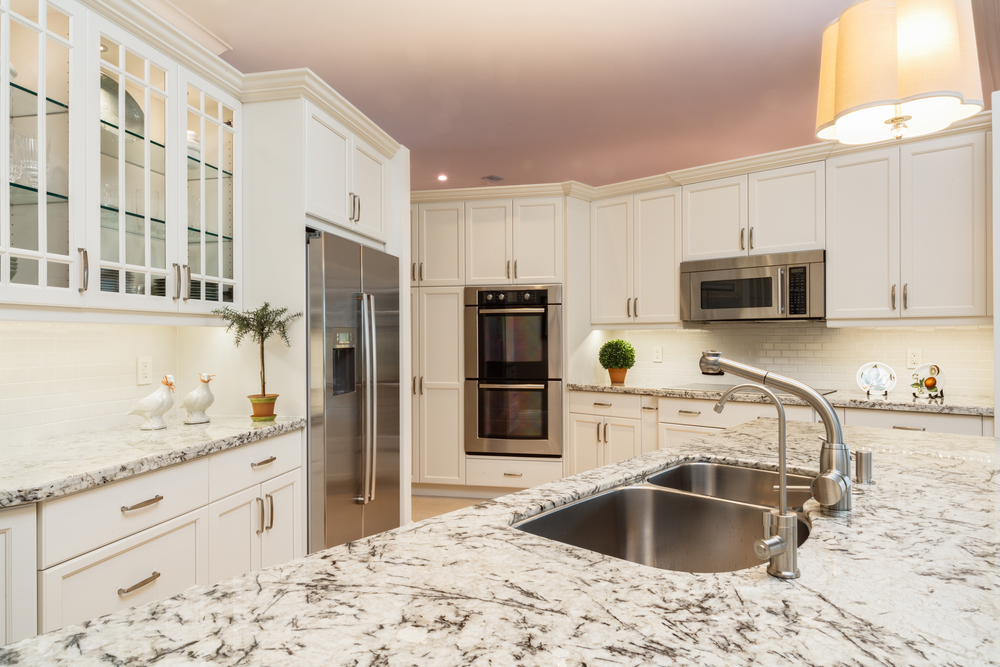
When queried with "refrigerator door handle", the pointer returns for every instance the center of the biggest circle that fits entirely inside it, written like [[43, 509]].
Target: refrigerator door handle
[[365, 399], [373, 377]]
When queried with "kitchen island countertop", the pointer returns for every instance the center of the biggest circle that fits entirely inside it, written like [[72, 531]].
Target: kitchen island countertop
[[909, 578]]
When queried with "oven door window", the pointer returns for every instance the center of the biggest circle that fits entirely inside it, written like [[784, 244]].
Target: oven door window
[[513, 346], [513, 414], [736, 293]]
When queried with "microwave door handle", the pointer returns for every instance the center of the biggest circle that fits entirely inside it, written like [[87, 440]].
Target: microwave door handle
[[781, 291]]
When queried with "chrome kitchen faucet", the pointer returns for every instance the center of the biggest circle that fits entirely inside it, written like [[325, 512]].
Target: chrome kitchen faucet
[[832, 488]]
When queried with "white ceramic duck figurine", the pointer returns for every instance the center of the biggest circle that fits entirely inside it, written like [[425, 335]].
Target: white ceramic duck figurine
[[154, 406], [198, 401]]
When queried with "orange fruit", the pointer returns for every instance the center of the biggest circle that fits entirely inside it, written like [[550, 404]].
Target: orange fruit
[[930, 383]]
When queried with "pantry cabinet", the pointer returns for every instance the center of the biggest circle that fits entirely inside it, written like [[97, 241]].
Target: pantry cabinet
[[634, 258], [439, 253], [517, 241], [414, 380], [18, 597], [906, 237], [787, 209], [715, 219]]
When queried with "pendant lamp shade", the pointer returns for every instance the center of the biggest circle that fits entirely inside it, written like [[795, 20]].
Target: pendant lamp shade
[[897, 67]]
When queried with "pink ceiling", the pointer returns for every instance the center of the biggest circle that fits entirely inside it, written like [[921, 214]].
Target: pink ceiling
[[540, 91]]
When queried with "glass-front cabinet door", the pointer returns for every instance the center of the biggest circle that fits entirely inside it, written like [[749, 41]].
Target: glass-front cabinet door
[[42, 234]]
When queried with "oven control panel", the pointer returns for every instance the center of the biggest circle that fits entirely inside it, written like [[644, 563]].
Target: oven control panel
[[513, 298]]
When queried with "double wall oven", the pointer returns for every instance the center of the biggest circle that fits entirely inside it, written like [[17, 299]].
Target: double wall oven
[[513, 363]]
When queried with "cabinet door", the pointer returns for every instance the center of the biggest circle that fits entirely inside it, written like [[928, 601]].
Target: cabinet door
[[442, 440], [282, 539], [414, 380], [715, 219], [787, 209], [673, 435], [538, 241], [862, 235], [488, 255], [656, 241], [586, 442], [441, 260], [622, 439], [234, 527], [414, 245], [650, 427], [943, 227], [18, 577], [611, 261], [370, 185], [328, 150]]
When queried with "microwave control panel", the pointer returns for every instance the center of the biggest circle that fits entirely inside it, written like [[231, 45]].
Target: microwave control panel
[[798, 288]]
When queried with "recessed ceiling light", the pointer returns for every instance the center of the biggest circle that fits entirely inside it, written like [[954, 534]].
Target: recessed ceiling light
[[443, 177]]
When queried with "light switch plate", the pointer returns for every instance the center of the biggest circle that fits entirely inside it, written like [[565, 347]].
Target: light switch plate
[[144, 370], [657, 355], [913, 358]]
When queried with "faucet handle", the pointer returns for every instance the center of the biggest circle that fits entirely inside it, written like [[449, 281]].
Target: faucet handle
[[768, 548], [829, 487]]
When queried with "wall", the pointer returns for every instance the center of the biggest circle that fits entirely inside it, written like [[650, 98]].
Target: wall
[[807, 351], [58, 379]]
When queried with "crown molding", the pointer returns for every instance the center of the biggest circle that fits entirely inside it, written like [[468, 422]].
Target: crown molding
[[565, 189], [188, 25], [294, 83], [164, 36]]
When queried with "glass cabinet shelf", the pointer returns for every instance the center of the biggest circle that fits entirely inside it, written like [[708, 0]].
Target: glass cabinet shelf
[[24, 103], [209, 234], [22, 195], [134, 148], [211, 171], [138, 216]]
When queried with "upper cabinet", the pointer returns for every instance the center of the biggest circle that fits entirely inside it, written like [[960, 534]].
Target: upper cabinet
[[634, 257], [439, 256], [516, 241], [787, 209], [346, 179], [907, 232], [715, 219]]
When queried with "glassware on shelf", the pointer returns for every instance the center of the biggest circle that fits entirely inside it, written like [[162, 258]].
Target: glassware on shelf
[[134, 117]]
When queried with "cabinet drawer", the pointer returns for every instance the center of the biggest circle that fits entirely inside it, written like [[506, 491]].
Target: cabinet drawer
[[241, 468], [606, 405], [696, 412], [514, 473], [76, 524], [89, 586], [920, 421]]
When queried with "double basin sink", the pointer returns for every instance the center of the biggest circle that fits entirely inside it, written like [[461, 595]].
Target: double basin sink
[[692, 517]]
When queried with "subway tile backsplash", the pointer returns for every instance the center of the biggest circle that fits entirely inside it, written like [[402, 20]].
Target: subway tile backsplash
[[58, 379], [809, 351]]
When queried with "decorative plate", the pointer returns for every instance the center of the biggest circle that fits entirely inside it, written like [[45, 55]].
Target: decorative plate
[[876, 377], [928, 381]]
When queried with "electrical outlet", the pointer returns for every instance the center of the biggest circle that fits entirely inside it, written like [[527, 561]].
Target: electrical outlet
[[913, 358], [144, 370], [657, 355]]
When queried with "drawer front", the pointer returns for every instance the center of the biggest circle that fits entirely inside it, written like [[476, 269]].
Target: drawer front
[[76, 524], [96, 583], [696, 412], [240, 468], [606, 405], [918, 421], [509, 472]]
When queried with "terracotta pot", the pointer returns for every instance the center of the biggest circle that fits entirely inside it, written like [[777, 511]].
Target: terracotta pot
[[263, 407], [617, 375]]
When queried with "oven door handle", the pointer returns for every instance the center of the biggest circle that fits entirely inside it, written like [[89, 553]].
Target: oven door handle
[[512, 386], [505, 311]]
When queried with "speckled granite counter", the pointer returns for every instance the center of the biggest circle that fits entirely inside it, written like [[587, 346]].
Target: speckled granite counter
[[33, 471], [910, 578], [901, 400]]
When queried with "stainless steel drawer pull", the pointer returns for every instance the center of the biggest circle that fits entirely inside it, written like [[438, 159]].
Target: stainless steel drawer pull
[[689, 412], [270, 459], [413, 272], [421, 270], [145, 582], [628, 307], [260, 503], [645, 407], [909, 428], [598, 431], [145, 503], [513, 474], [270, 519], [605, 432], [742, 237], [508, 268], [85, 280], [515, 268], [602, 405], [421, 384], [894, 297], [905, 305], [414, 385]]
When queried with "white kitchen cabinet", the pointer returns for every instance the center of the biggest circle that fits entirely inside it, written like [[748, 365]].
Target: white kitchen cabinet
[[440, 250], [441, 385], [18, 597], [414, 393], [673, 435], [414, 244], [635, 255], [906, 232], [622, 439], [650, 425], [488, 242], [915, 421], [346, 179], [787, 209], [517, 241], [598, 441], [511, 472], [715, 219], [282, 539]]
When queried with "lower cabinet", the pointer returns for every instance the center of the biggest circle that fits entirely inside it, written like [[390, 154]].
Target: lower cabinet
[[254, 528], [18, 596], [511, 472], [915, 421], [597, 441]]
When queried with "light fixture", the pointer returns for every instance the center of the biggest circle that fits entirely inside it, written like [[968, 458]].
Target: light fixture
[[442, 177], [894, 68]]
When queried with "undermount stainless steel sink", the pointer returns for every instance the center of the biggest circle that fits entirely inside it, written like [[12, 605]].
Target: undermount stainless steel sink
[[731, 482], [663, 528]]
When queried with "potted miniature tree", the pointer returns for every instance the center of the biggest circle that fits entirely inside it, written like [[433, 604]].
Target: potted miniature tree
[[617, 356], [259, 325]]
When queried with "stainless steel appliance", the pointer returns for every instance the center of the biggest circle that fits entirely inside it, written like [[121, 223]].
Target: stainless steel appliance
[[765, 287], [513, 363], [354, 391]]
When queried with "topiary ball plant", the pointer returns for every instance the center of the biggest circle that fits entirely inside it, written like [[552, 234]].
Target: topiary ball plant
[[617, 356]]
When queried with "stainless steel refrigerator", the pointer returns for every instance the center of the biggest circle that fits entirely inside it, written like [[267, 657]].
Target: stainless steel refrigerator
[[354, 391]]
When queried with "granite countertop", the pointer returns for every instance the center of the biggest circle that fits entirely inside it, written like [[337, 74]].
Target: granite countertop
[[979, 405], [909, 578], [40, 469]]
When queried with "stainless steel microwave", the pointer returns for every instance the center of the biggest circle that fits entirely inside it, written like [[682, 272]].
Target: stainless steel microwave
[[764, 287]]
